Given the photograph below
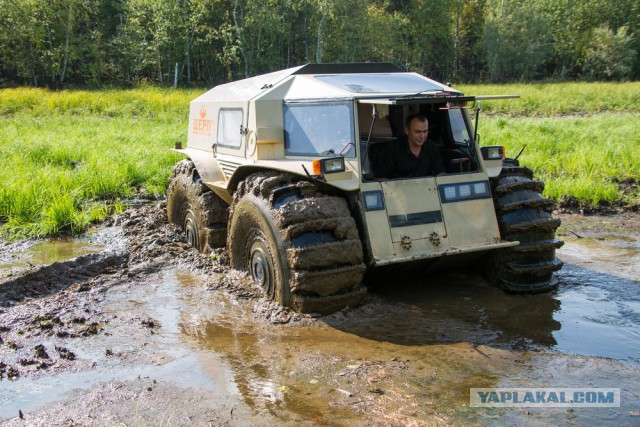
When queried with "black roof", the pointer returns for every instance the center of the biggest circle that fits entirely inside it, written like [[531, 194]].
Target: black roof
[[350, 68]]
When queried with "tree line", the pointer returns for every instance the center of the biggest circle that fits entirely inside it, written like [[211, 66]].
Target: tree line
[[58, 43]]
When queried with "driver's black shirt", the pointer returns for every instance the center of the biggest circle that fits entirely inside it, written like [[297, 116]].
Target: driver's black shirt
[[397, 160]]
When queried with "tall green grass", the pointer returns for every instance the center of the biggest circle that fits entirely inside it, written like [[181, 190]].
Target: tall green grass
[[582, 138], [547, 99], [70, 158], [579, 156], [150, 102]]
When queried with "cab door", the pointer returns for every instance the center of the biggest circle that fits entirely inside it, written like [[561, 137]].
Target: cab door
[[413, 209], [404, 220]]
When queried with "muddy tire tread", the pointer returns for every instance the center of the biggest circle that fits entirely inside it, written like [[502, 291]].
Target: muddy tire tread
[[541, 224], [544, 204], [524, 215], [539, 246], [518, 183], [538, 269], [318, 284], [210, 209]]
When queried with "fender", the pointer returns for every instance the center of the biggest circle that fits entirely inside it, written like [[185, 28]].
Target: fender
[[209, 171]]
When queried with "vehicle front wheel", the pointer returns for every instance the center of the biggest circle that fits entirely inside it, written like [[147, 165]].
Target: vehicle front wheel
[[257, 248], [524, 215], [298, 243]]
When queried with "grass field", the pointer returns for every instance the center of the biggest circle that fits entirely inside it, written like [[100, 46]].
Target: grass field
[[584, 157], [71, 158], [553, 99]]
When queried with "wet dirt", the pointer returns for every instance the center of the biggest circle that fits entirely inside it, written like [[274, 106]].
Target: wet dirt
[[606, 243], [134, 327]]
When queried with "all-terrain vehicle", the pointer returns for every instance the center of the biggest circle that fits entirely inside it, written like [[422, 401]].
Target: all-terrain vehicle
[[280, 170]]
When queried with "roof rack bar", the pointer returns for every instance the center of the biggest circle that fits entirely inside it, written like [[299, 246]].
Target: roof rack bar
[[356, 67], [490, 97]]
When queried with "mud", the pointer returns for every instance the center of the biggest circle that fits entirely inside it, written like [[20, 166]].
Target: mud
[[147, 331], [606, 243], [326, 255]]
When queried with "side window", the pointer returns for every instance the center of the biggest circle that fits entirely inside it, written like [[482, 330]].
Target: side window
[[458, 126], [229, 122], [319, 129], [382, 125]]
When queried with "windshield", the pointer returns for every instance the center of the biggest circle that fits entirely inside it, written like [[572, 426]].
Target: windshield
[[381, 83], [319, 129]]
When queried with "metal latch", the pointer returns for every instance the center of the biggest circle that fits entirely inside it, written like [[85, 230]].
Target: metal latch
[[435, 239]]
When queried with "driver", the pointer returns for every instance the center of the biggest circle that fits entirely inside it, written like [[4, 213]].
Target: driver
[[413, 155]]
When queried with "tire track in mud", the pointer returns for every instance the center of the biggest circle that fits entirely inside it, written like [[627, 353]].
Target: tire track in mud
[[45, 280], [43, 309], [142, 242]]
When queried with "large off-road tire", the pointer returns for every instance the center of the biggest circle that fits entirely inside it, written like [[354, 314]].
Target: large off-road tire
[[300, 245], [193, 207], [524, 215]]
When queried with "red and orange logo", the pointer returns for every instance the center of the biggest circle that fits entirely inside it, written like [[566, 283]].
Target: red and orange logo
[[202, 126]]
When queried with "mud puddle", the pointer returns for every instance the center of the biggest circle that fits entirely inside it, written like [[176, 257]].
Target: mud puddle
[[19, 257], [142, 349], [607, 244], [179, 340]]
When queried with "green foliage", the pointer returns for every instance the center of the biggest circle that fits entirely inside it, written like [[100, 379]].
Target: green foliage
[[581, 156], [610, 56], [431, 45], [55, 43], [364, 31], [517, 42], [574, 25], [72, 158], [470, 62]]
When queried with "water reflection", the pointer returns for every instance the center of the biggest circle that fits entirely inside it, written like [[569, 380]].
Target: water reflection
[[617, 255], [600, 314], [47, 252], [265, 364], [430, 322], [591, 313], [451, 308]]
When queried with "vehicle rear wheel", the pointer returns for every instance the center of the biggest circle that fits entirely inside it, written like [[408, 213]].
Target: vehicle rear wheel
[[193, 207], [524, 215], [300, 245]]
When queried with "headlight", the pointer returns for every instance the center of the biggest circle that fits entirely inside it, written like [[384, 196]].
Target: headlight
[[322, 166], [465, 191], [492, 153]]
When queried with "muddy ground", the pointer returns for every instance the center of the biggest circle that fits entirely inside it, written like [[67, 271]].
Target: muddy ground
[[131, 326]]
